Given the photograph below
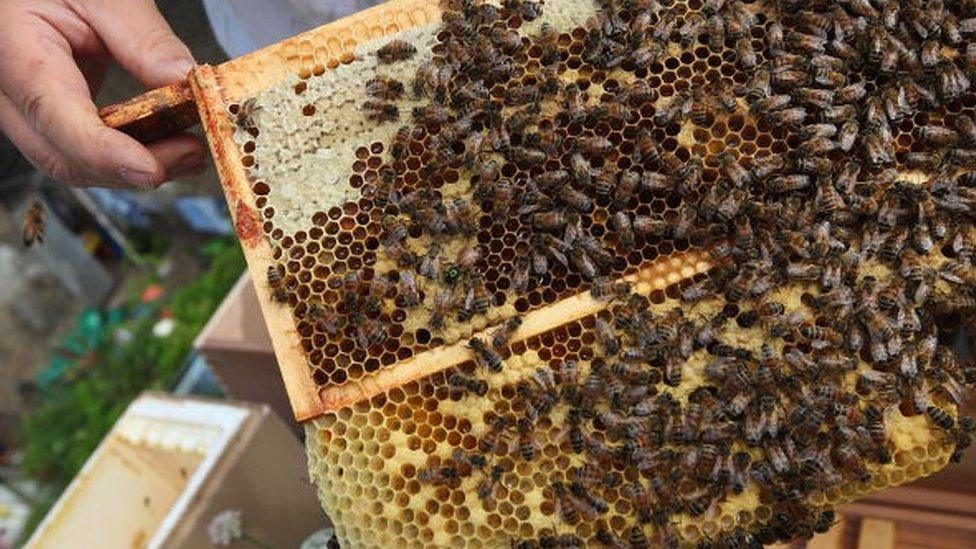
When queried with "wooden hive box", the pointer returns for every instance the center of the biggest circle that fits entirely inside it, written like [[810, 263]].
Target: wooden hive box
[[169, 465]]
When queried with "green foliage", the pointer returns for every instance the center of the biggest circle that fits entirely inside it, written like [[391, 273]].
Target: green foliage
[[103, 375]]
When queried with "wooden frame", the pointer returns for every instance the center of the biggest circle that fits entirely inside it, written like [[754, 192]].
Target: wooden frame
[[214, 89]]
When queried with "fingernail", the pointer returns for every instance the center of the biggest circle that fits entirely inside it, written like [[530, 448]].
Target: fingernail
[[137, 178], [181, 68]]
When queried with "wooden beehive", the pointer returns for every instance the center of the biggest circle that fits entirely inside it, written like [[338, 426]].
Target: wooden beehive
[[306, 169]]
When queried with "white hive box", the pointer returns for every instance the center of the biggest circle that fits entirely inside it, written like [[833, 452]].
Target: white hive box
[[171, 464]]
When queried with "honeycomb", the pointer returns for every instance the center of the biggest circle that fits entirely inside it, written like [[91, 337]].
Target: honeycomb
[[625, 273]]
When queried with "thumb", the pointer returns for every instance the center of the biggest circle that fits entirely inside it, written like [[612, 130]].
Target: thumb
[[140, 39]]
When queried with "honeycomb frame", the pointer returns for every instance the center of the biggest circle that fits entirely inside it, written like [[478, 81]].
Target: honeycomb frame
[[215, 88]]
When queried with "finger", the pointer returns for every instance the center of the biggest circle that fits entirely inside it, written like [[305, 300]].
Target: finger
[[42, 80], [181, 156], [40, 152], [94, 70], [143, 43]]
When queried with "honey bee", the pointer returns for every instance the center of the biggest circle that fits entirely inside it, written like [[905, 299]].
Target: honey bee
[[502, 335], [788, 183], [952, 82], [407, 289], [34, 226], [485, 356], [461, 383], [791, 117], [647, 54], [378, 111], [567, 507], [438, 475], [384, 88], [487, 488], [966, 128], [938, 136], [443, 304], [527, 446], [592, 504], [395, 50], [624, 229], [679, 107], [716, 31], [431, 114], [325, 319], [277, 284], [745, 53]]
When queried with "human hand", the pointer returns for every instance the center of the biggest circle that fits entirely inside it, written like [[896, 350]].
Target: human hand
[[53, 55]]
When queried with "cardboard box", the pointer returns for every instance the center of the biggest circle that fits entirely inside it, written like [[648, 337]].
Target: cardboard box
[[238, 349]]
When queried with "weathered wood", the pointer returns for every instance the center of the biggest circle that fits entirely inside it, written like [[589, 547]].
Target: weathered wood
[[155, 114], [876, 534]]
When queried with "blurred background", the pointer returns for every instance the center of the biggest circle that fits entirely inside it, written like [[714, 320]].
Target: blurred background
[[135, 291], [107, 307]]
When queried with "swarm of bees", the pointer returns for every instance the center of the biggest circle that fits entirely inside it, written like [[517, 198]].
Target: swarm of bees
[[868, 209]]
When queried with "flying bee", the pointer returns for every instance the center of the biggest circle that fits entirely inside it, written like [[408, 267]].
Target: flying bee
[[487, 488], [502, 335], [485, 356], [395, 50], [378, 111], [384, 88], [34, 226]]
